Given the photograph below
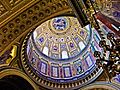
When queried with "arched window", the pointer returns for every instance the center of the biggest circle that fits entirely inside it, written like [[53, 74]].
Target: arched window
[[81, 45], [45, 50], [64, 54], [35, 34]]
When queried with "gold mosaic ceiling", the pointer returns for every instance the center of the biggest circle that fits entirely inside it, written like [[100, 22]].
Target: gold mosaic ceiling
[[17, 17]]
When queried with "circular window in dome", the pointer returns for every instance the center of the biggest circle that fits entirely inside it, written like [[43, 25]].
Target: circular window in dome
[[59, 51]]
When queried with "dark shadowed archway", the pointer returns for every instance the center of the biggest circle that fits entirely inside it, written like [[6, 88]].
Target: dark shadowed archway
[[13, 82]]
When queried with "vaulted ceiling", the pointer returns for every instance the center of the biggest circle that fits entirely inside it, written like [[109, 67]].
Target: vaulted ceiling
[[17, 17]]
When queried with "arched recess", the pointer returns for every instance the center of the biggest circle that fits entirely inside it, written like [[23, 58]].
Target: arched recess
[[14, 82], [15, 72]]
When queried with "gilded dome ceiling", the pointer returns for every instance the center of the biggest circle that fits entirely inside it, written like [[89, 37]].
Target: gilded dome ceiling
[[59, 43], [52, 50], [61, 38], [61, 51]]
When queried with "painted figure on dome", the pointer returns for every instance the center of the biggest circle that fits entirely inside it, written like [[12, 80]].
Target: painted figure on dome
[[59, 23]]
